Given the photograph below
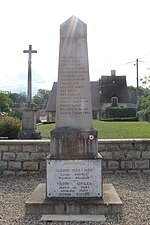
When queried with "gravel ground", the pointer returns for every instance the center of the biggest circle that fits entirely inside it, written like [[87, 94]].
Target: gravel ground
[[133, 189]]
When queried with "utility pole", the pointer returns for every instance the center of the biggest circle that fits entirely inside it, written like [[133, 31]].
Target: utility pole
[[137, 78]]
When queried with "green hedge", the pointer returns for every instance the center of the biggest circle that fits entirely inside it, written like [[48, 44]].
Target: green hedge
[[9, 127], [119, 112]]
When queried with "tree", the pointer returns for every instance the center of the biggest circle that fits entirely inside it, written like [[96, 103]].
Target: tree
[[41, 98], [5, 102], [18, 97], [143, 106]]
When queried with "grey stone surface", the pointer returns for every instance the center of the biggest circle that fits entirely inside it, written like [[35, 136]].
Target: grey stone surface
[[73, 143], [9, 156], [30, 51], [37, 203], [29, 120], [29, 128], [29, 125], [73, 90], [77, 218], [29, 135]]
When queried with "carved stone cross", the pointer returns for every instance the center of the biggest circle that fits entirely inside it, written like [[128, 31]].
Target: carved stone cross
[[30, 51]]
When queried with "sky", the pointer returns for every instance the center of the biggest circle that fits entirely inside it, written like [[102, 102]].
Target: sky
[[118, 32]]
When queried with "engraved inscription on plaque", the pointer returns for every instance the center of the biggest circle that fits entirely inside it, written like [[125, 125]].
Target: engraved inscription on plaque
[[72, 99], [74, 178]]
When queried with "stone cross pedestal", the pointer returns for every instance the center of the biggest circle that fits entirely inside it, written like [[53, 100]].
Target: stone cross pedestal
[[74, 167], [29, 117]]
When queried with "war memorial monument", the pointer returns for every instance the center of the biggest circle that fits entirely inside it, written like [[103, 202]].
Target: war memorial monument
[[29, 117], [74, 188]]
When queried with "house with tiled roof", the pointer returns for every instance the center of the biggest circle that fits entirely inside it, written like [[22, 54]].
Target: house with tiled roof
[[108, 91]]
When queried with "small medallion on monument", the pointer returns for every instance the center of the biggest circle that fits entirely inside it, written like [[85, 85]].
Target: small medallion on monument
[[91, 137]]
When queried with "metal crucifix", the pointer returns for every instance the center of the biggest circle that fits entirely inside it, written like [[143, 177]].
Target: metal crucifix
[[30, 51]]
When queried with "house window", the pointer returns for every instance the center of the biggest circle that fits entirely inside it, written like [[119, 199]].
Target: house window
[[114, 101]]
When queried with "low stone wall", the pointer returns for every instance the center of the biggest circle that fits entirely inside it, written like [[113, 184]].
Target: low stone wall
[[119, 155]]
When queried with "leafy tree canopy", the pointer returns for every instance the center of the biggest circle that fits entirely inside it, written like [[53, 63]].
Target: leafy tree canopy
[[143, 106], [18, 97], [41, 98], [5, 102]]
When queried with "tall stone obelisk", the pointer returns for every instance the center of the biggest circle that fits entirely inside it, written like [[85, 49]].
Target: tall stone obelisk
[[74, 154]]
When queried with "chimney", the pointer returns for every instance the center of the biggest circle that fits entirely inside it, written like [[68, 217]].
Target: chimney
[[113, 72]]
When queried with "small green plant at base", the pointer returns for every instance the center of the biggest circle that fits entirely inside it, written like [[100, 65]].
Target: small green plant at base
[[9, 127]]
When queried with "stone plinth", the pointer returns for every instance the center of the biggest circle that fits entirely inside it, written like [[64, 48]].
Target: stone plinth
[[37, 203], [73, 143], [29, 125]]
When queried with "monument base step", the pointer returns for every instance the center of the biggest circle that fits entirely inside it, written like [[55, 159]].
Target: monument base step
[[71, 218], [37, 203]]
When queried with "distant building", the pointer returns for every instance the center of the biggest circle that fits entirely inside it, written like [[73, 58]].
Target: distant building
[[42, 116], [108, 91]]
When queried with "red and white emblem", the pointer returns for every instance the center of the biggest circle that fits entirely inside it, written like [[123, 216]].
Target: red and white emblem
[[91, 137]]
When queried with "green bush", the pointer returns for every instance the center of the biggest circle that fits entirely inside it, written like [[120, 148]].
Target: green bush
[[120, 112], [9, 127], [144, 114]]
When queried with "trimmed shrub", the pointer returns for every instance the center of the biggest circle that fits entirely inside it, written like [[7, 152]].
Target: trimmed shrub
[[120, 112], [9, 127]]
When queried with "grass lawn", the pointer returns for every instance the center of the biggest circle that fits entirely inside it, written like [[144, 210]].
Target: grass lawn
[[109, 130]]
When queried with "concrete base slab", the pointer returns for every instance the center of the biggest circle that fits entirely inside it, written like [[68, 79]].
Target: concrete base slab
[[37, 203], [71, 218]]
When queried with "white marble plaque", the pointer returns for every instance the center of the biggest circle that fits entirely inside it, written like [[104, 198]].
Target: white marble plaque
[[74, 178]]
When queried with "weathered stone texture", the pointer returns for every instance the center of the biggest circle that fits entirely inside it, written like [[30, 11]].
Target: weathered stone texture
[[113, 165], [126, 165], [3, 165], [106, 155], [44, 147], [9, 172], [29, 148], [126, 146], [30, 166], [3, 148], [15, 148], [37, 156], [112, 147], [9, 156], [14, 165], [118, 155], [43, 165], [33, 159], [140, 146], [141, 164], [104, 166], [22, 156], [146, 154], [132, 154], [21, 172], [102, 147]]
